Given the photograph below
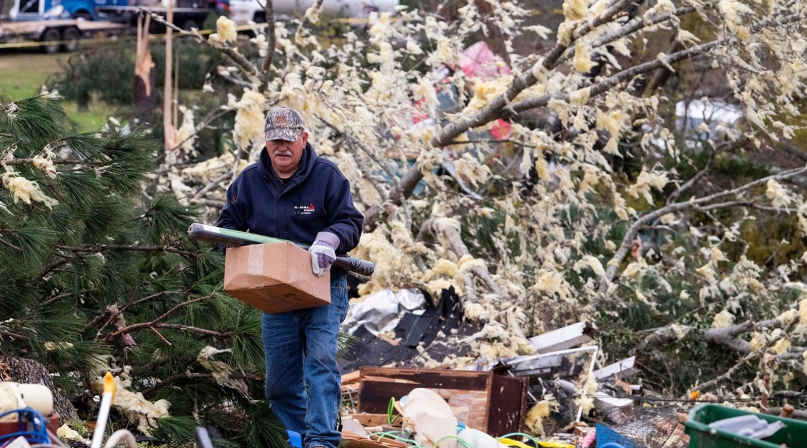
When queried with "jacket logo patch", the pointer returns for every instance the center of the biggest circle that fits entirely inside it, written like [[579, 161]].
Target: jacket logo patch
[[304, 209], [232, 200]]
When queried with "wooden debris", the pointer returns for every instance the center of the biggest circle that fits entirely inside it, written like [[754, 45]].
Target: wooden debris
[[618, 410], [491, 403], [351, 440], [369, 420]]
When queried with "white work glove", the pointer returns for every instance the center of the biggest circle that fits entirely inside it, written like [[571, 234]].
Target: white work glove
[[323, 252]]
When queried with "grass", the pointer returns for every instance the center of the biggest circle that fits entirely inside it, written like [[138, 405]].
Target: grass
[[22, 74]]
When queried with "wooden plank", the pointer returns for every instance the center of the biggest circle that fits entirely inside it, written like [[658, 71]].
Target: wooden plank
[[352, 377], [563, 338], [508, 407], [469, 407], [447, 379], [351, 440]]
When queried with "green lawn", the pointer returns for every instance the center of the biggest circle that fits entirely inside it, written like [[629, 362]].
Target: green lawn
[[23, 73]]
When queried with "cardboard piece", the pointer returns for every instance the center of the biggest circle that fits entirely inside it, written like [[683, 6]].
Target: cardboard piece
[[275, 277]]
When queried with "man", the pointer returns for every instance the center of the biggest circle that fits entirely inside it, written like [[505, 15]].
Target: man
[[294, 195]]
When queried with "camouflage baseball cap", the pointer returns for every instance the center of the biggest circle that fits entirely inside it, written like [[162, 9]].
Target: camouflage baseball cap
[[284, 123]]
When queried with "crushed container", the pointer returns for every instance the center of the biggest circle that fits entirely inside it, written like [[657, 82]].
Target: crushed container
[[792, 435]]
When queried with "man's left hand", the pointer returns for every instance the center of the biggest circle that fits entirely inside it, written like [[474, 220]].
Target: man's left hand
[[323, 252]]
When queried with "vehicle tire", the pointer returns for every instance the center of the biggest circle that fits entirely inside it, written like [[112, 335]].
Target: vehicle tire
[[188, 24], [51, 35], [82, 15], [70, 38]]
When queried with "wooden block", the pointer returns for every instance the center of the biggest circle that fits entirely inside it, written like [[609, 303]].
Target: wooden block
[[352, 377], [371, 419]]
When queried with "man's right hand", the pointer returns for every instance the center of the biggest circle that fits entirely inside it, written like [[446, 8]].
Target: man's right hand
[[323, 252]]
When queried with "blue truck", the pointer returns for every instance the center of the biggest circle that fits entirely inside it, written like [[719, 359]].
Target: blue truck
[[58, 25]]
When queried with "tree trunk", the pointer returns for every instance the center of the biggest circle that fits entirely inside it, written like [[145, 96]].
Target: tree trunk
[[28, 371], [145, 77]]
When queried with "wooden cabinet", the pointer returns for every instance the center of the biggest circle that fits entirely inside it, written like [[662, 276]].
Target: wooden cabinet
[[491, 403]]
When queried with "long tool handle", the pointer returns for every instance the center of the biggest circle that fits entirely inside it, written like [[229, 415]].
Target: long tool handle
[[107, 398], [235, 238]]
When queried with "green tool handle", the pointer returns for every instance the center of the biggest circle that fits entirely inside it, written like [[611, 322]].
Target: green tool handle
[[235, 238]]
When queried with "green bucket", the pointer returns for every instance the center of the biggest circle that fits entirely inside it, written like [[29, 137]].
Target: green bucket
[[793, 435]]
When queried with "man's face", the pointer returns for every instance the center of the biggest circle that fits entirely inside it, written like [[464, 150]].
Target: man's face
[[286, 155]]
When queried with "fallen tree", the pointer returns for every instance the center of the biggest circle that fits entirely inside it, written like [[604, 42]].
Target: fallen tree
[[550, 213]]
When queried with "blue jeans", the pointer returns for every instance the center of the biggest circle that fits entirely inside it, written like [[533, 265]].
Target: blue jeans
[[300, 348]]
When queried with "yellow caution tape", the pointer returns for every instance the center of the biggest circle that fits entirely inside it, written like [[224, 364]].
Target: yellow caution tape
[[106, 38], [517, 444]]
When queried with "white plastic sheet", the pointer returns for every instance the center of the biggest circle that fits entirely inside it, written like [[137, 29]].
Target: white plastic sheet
[[380, 312]]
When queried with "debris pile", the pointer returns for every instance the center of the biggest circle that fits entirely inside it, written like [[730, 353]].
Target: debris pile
[[554, 396]]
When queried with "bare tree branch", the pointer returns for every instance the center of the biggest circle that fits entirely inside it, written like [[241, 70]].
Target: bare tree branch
[[433, 227], [712, 383], [311, 12], [247, 67], [212, 116], [211, 185], [613, 264], [494, 108], [271, 39], [695, 179], [208, 203]]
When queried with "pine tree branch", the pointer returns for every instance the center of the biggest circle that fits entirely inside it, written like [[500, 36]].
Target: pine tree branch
[[154, 322], [30, 160], [189, 375], [12, 335], [10, 245], [118, 248], [115, 315], [194, 329], [63, 295], [53, 265], [160, 335]]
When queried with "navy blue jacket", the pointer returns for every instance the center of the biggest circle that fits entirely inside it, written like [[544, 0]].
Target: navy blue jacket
[[317, 199]]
